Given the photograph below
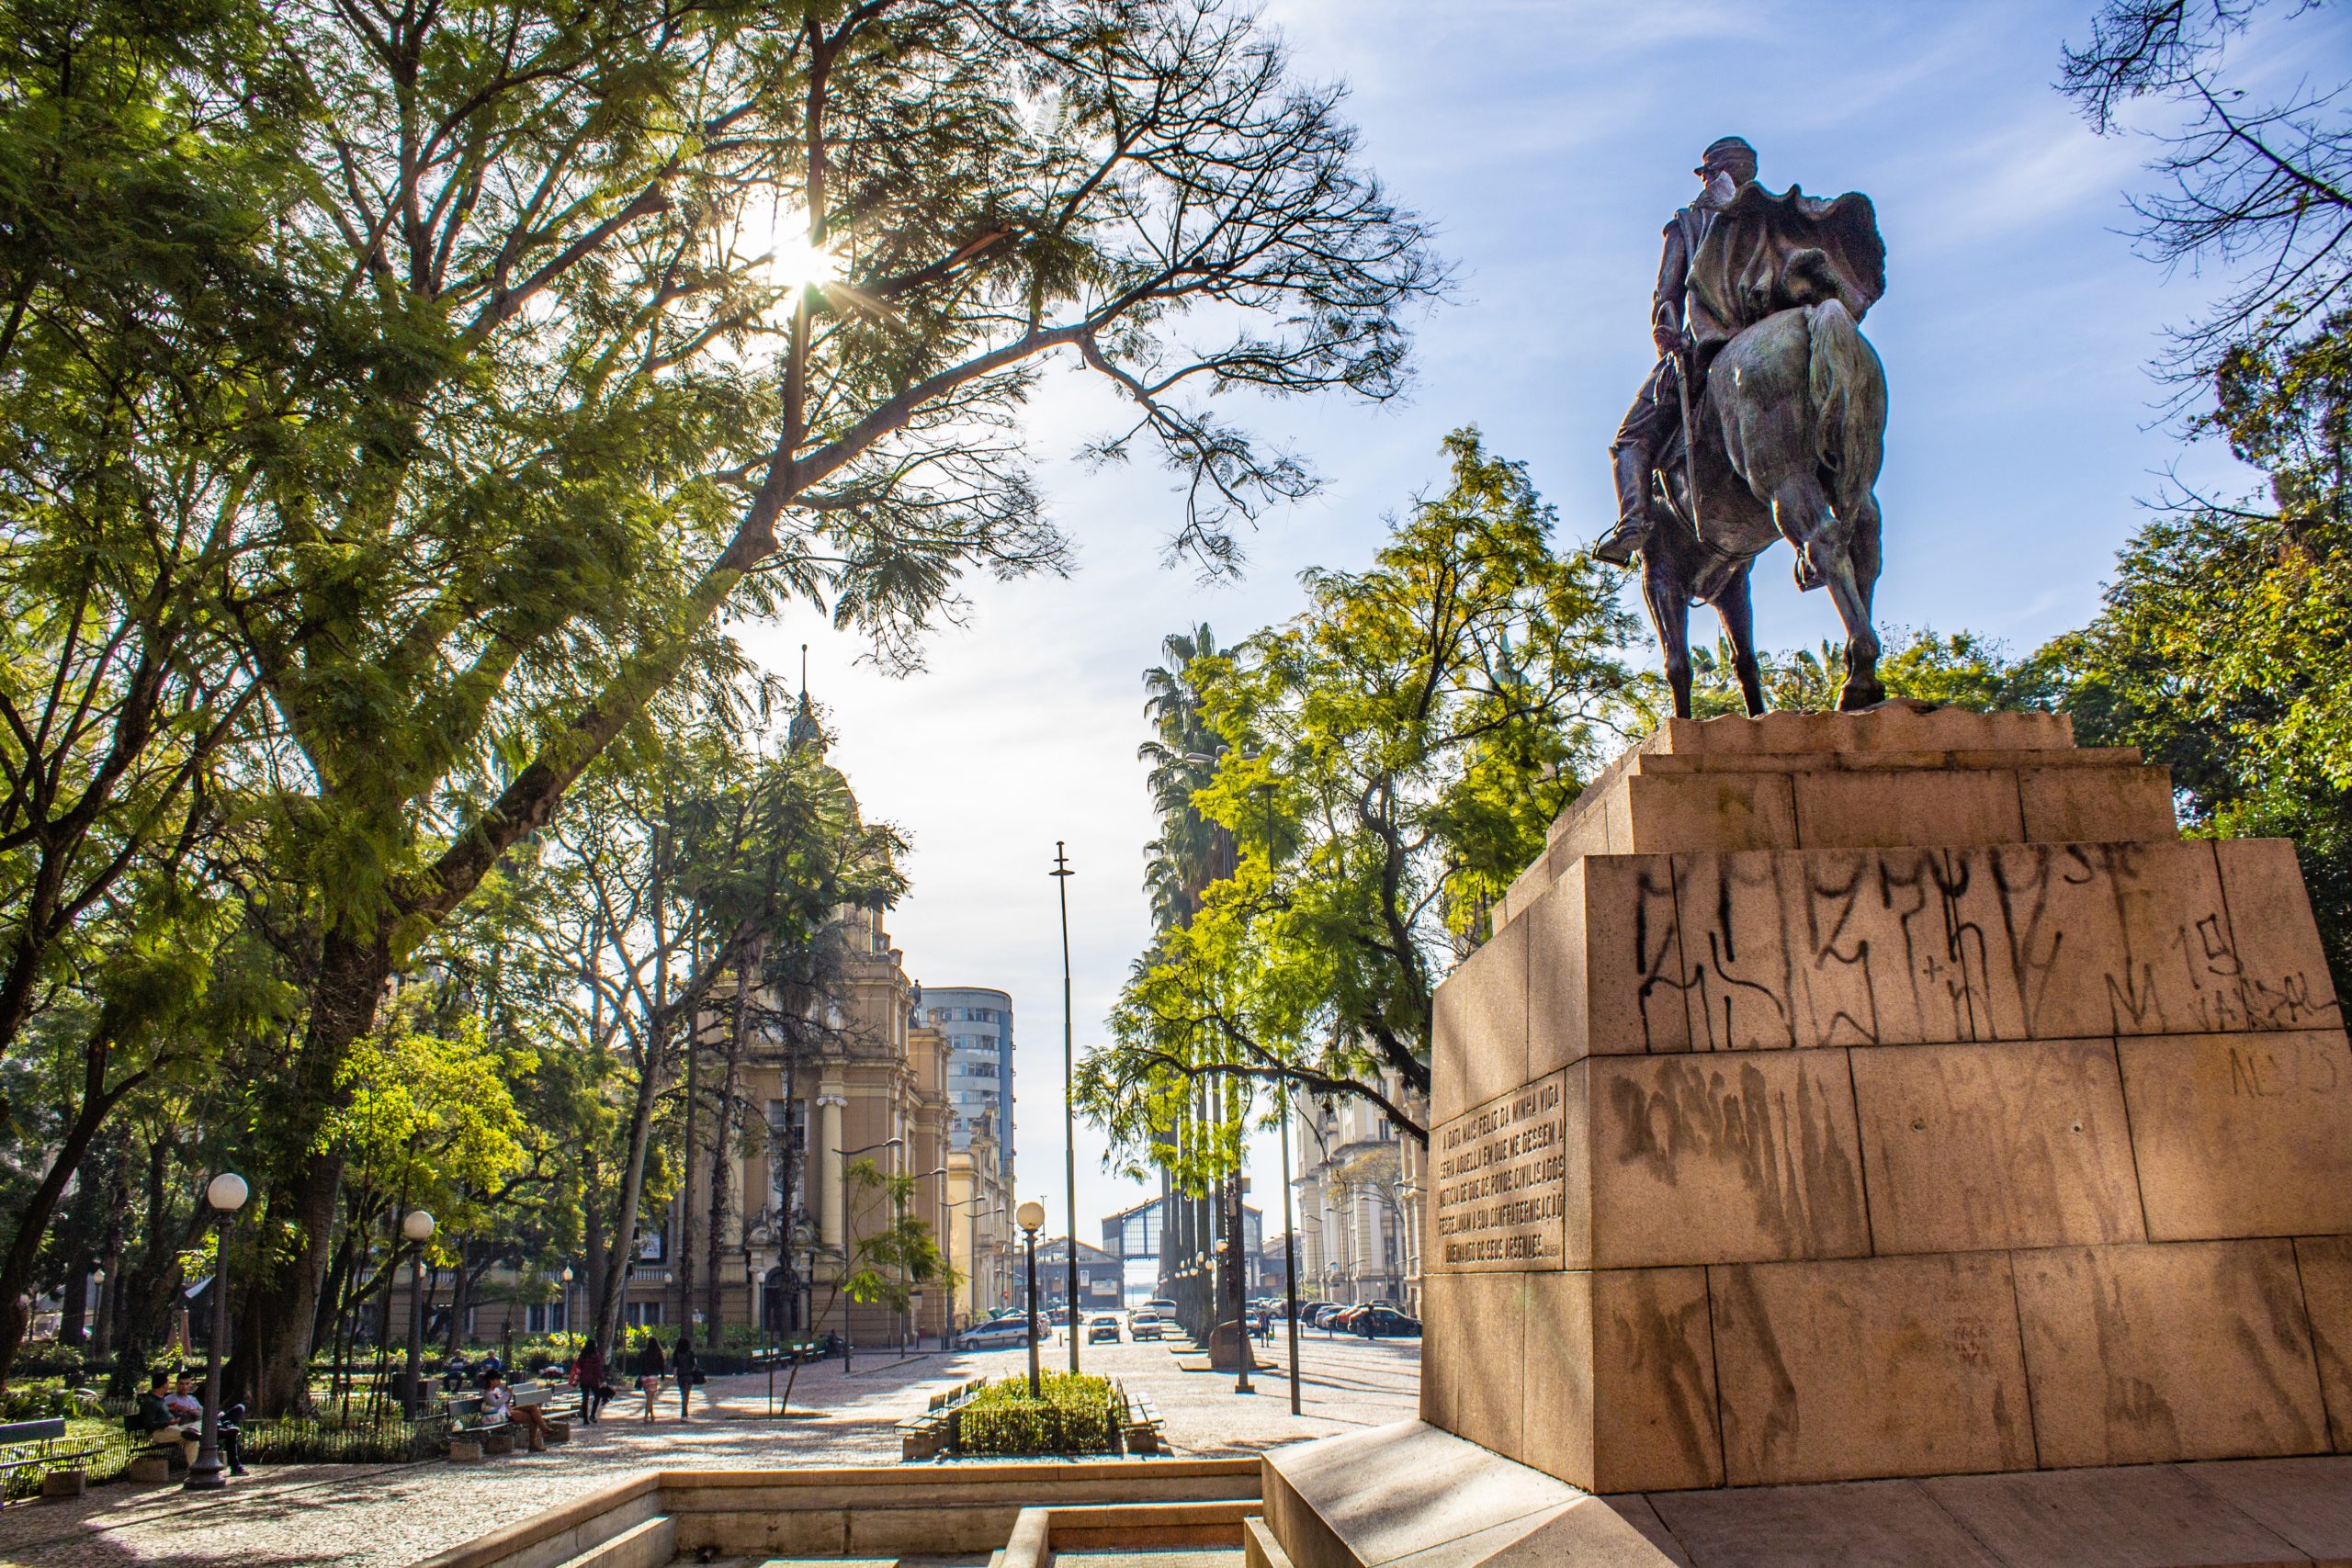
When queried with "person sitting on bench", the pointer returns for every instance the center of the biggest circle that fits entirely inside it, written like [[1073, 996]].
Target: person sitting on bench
[[152, 1421], [498, 1404]]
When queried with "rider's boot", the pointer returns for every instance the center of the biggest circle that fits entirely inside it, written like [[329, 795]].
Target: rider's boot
[[1619, 546]]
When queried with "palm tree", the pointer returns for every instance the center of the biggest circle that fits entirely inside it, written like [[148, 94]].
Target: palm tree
[[1190, 851]]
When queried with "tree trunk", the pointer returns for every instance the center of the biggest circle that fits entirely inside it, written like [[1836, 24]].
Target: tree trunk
[[683, 1262], [23, 1251], [723, 1139], [271, 1366], [640, 1138]]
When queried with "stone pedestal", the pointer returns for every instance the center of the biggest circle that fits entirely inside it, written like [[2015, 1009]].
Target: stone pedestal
[[1885, 1094]]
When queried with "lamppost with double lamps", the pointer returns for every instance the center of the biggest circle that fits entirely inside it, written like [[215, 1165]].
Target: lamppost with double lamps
[[845, 1157], [1031, 1218], [227, 1193], [417, 1229]]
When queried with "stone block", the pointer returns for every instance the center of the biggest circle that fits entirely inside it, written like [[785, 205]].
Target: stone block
[[1874, 1367], [149, 1469], [1672, 814], [498, 1441], [2282, 974], [1832, 947], [1970, 1147], [2112, 939], [1474, 1338], [1604, 964], [2096, 806], [1384, 1495], [1703, 1158], [465, 1450], [1621, 1380], [1869, 1524], [1893, 727], [558, 1430], [65, 1483], [2128, 1518], [1864, 810], [2305, 1502], [2324, 1263], [2242, 1135], [2163, 1351], [1479, 1025]]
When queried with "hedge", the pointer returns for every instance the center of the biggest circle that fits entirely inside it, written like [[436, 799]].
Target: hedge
[[1078, 1414]]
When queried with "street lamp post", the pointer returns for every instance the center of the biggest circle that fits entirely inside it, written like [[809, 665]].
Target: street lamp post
[[416, 1228], [846, 1155], [1032, 1215], [1061, 875], [227, 1194], [1290, 1259]]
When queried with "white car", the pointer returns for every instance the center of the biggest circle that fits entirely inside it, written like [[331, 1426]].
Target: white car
[[1002, 1334]]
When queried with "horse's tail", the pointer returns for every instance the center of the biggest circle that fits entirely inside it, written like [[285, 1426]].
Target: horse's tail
[[1848, 393]]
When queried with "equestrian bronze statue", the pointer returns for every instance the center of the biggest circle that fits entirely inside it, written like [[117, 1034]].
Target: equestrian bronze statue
[[1763, 420]]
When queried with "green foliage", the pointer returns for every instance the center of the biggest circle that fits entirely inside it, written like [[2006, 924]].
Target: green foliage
[[2223, 648], [1078, 1414], [1962, 670], [1391, 759]]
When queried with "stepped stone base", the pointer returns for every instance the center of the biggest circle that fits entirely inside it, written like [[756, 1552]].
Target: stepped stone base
[[1413, 1497], [1846, 1096]]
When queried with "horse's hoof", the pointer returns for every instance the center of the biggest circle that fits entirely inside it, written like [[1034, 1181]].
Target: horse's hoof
[[1854, 696]]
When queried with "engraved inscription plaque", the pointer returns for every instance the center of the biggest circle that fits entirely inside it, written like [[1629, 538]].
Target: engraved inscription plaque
[[1502, 1181]]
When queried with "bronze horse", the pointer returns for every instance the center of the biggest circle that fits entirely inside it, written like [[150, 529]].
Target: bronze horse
[[1788, 433]]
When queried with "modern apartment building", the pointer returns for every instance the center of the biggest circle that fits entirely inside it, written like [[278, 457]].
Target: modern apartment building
[[977, 1023]]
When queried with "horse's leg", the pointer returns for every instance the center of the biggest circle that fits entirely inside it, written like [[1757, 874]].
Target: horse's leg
[[1739, 625], [1853, 579], [1669, 599], [1800, 512]]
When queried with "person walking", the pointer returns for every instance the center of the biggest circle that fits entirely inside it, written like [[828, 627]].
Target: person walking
[[688, 1368], [588, 1371], [647, 1368]]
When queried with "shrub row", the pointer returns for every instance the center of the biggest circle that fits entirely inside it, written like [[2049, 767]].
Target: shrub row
[[1077, 1414]]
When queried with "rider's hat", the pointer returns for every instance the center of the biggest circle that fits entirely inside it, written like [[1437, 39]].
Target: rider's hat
[[1723, 148]]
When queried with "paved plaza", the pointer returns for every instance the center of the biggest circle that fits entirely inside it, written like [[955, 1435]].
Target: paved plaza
[[383, 1517]]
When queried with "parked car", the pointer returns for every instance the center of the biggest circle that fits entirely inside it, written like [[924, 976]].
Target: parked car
[[1144, 1325], [1323, 1314], [1059, 1316], [1381, 1322], [1101, 1329], [1161, 1307], [1002, 1333]]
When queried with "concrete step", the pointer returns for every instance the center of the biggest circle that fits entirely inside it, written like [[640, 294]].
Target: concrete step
[[652, 1544]]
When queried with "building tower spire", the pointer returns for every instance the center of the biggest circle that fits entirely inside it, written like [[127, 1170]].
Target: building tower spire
[[804, 733]]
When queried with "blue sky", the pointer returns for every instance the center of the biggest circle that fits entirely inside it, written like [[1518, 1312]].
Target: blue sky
[[1548, 141]]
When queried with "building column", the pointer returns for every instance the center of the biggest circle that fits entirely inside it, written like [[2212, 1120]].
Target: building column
[[829, 1142]]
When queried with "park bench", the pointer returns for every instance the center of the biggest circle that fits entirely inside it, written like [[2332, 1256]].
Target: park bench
[[151, 1462], [932, 1433], [1142, 1431], [474, 1433], [35, 1445]]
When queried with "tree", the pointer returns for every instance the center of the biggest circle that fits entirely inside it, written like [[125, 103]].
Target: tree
[[1189, 852], [2262, 187], [607, 317], [882, 1265], [1404, 745], [1963, 669]]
